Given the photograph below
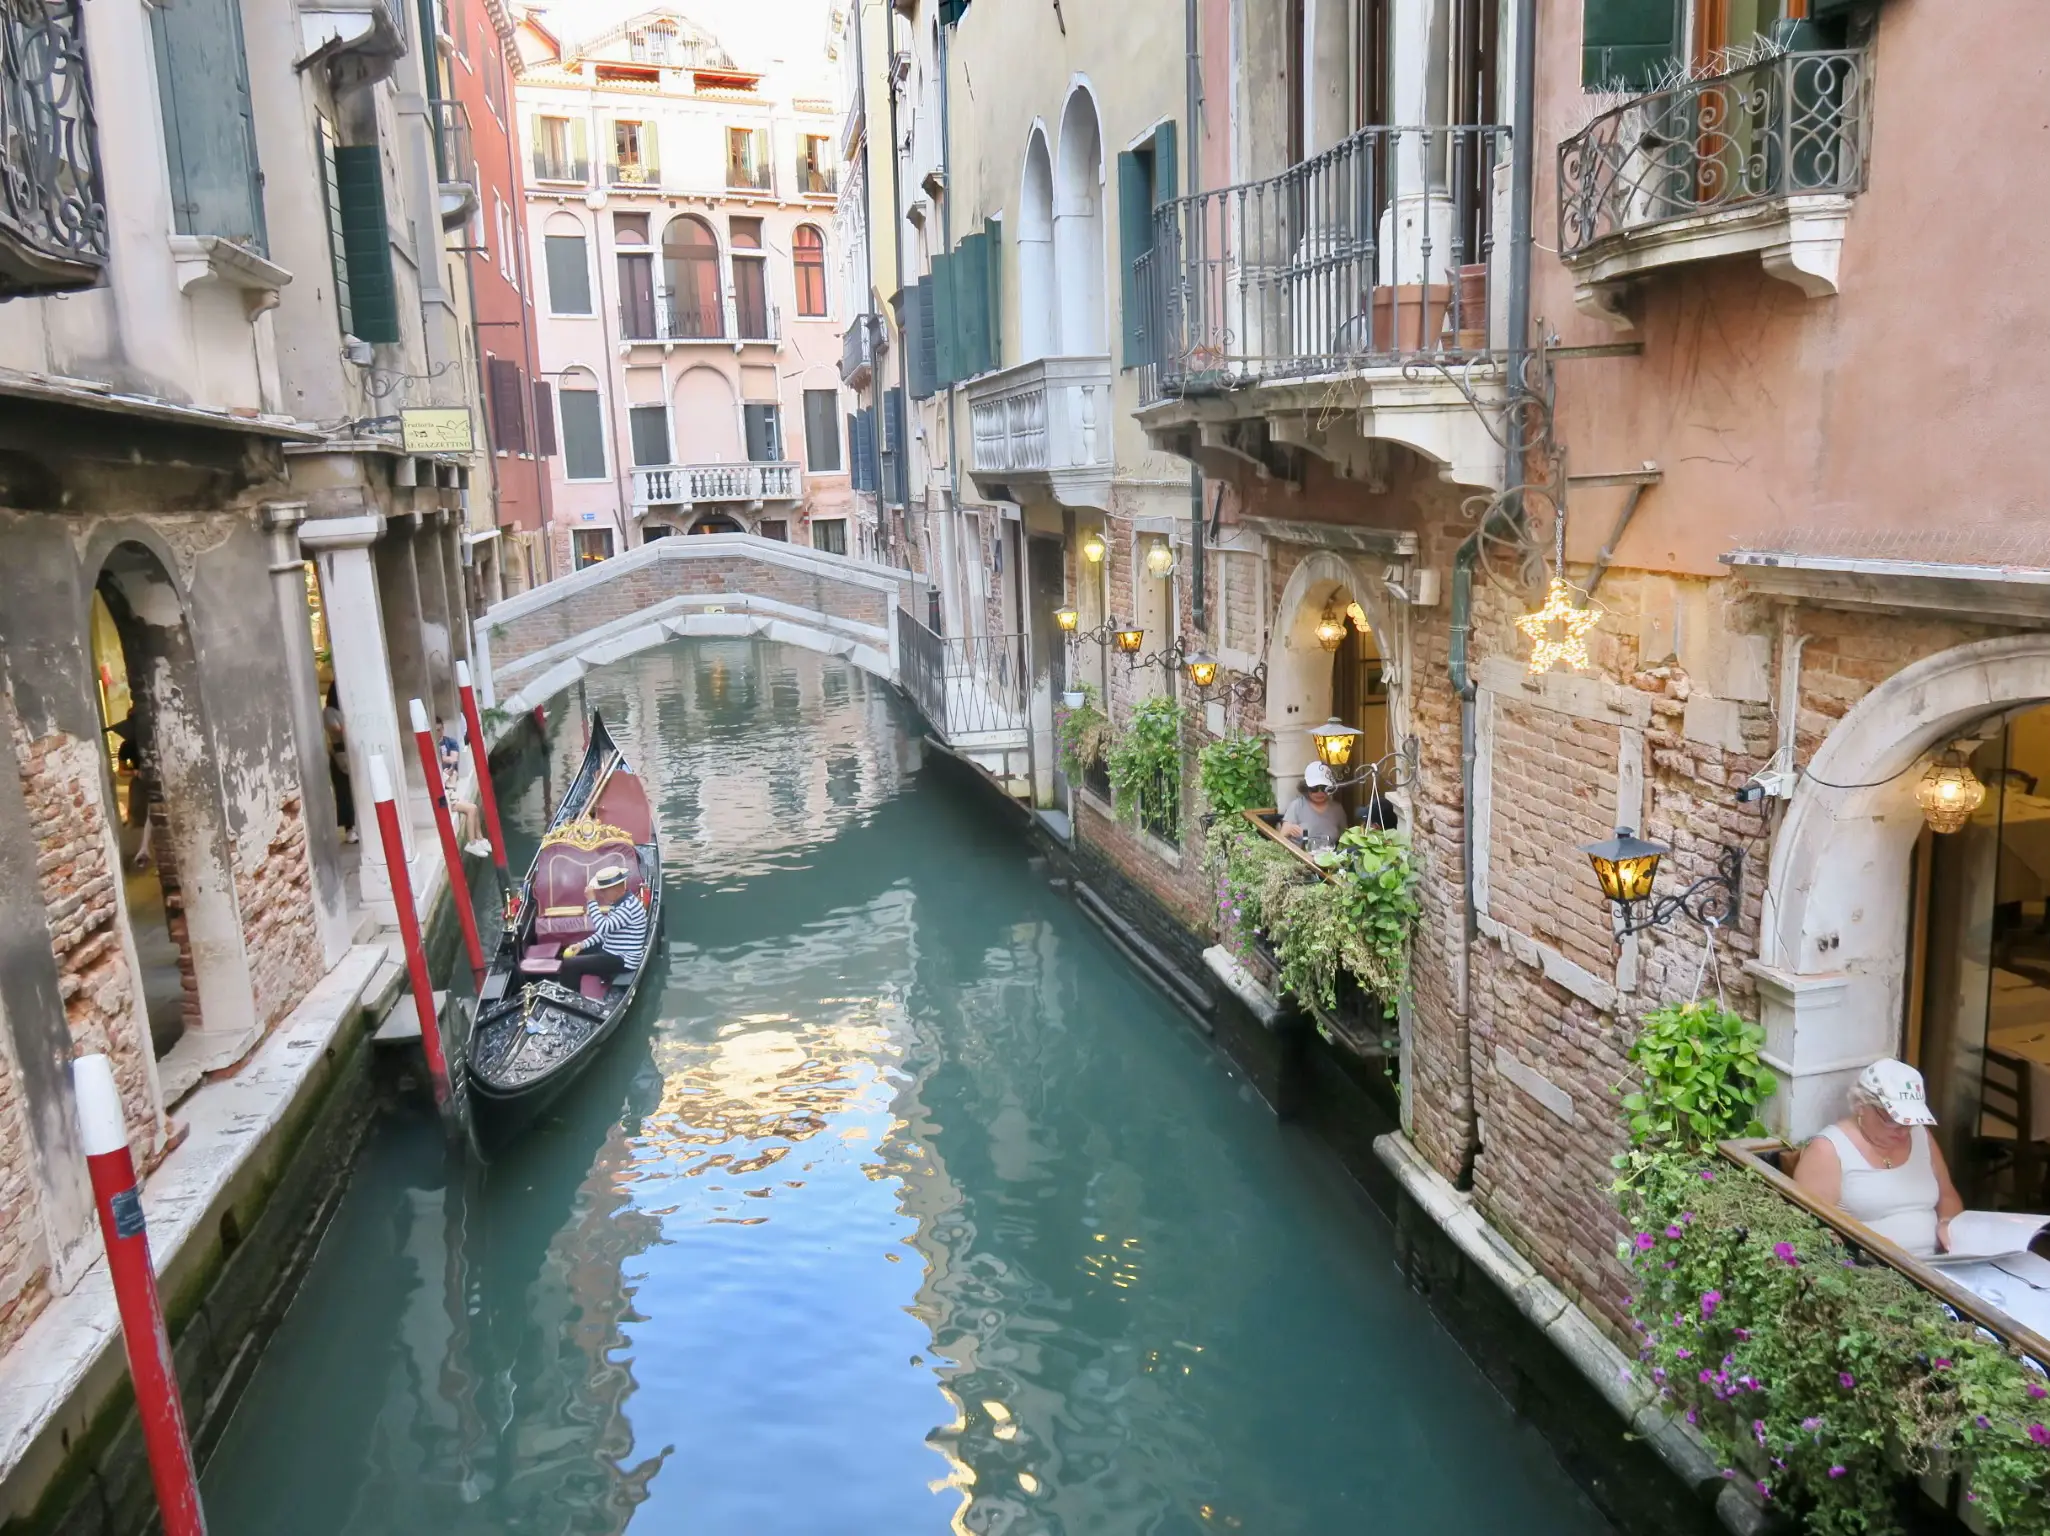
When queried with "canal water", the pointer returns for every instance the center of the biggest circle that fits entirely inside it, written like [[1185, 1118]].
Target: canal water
[[902, 1205]]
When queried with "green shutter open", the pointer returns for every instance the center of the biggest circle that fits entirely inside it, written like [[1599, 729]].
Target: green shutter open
[[970, 268], [366, 242], [1627, 43], [209, 124], [994, 230], [1166, 164], [1135, 239], [944, 315]]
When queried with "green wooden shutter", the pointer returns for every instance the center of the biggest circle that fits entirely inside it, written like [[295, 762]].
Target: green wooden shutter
[[366, 242], [209, 126], [1628, 43], [1135, 239], [994, 229], [651, 153], [914, 333], [945, 314], [970, 267], [331, 185], [1166, 166]]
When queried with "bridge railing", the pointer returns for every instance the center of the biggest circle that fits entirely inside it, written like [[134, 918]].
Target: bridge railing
[[972, 689]]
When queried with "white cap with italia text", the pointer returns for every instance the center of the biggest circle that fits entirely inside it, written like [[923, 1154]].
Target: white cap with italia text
[[1898, 1087]]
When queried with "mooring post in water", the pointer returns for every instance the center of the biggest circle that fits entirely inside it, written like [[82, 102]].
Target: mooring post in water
[[104, 1131], [409, 927], [480, 751], [451, 850]]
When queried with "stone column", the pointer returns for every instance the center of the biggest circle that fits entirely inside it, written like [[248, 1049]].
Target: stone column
[[405, 642], [1327, 75], [309, 738], [363, 678], [1416, 231], [455, 569], [438, 655]]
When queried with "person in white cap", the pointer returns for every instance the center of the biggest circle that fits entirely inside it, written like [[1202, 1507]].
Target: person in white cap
[[1314, 818], [1880, 1165]]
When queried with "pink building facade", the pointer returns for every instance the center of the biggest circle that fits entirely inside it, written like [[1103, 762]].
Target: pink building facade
[[679, 218]]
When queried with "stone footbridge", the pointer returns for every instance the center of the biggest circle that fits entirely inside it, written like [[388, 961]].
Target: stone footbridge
[[735, 585]]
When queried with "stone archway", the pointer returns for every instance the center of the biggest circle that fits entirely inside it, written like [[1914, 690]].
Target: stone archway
[[1037, 301], [187, 817], [1835, 911], [1078, 235], [1299, 668]]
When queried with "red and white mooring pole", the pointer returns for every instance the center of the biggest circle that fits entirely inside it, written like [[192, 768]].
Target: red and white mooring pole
[[409, 926], [451, 850], [480, 752], [104, 1131]]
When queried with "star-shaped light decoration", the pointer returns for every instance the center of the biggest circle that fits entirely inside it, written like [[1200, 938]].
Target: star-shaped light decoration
[[1558, 631]]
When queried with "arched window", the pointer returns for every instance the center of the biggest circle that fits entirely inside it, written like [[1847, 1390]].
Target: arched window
[[690, 273], [809, 249]]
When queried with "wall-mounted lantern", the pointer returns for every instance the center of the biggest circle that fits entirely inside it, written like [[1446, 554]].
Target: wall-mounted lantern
[[1949, 792], [1160, 558], [1093, 547], [1067, 619], [1626, 866]]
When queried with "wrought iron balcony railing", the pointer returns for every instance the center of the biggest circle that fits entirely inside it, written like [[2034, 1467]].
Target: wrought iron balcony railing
[[662, 317], [1372, 253], [972, 689], [688, 484], [1793, 125], [53, 212], [858, 348], [549, 166]]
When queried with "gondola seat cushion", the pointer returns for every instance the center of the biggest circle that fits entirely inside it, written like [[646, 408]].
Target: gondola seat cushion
[[592, 987], [562, 878]]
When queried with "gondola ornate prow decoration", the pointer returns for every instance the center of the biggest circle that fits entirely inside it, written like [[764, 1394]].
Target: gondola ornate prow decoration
[[534, 1032]]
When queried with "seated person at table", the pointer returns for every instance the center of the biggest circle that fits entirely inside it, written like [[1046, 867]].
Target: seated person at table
[[619, 929], [1314, 818], [1879, 1164]]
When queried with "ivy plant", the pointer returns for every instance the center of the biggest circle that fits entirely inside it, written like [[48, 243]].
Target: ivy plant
[[1233, 774], [1703, 1079], [1085, 735], [1146, 752]]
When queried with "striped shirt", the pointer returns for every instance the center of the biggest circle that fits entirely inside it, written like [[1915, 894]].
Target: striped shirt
[[620, 929]]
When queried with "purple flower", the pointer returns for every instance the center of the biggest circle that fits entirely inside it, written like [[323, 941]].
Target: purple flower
[[1836, 1471], [2036, 1391], [2039, 1434], [1982, 1421], [1693, 1417], [1785, 1253], [1846, 1380], [1764, 1492], [1811, 1425], [1942, 1365], [1743, 1335], [1686, 1218], [1708, 1175], [1730, 1472], [1758, 1430], [1674, 1231], [1646, 1242], [1710, 1300]]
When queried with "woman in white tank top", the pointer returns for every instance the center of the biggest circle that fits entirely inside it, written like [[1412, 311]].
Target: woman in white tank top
[[1879, 1165]]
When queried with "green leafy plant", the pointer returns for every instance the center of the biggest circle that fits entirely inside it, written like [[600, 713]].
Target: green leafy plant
[[1085, 735], [1233, 775], [1147, 752], [1358, 922], [1822, 1382], [1703, 1079], [494, 719]]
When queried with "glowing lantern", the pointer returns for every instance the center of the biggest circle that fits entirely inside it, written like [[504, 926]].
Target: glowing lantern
[[1949, 792]]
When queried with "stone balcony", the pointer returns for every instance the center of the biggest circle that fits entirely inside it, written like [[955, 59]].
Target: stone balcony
[[1343, 305], [1043, 426], [689, 485]]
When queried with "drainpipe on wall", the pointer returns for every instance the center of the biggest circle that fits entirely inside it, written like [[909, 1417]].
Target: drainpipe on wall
[[1521, 175], [903, 351], [947, 246], [871, 317], [1192, 184]]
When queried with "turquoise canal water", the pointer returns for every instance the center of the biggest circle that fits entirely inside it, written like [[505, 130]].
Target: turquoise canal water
[[900, 1206]]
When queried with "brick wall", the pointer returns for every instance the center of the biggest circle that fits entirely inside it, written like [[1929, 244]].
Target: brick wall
[[24, 1274], [274, 889]]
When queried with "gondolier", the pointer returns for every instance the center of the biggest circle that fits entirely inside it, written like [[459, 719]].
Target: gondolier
[[619, 929]]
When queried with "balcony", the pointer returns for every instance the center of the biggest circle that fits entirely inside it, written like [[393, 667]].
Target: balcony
[[1044, 424], [629, 175], [864, 340], [690, 485], [741, 177], [1368, 263], [814, 180], [975, 693], [660, 317], [561, 167], [53, 213], [454, 163], [1763, 160]]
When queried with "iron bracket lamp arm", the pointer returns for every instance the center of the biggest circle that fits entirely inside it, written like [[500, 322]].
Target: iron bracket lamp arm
[[1711, 901]]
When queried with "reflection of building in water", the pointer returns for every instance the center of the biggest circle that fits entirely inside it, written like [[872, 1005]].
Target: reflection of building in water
[[805, 742]]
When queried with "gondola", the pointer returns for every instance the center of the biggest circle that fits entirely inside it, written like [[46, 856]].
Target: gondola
[[535, 1033]]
